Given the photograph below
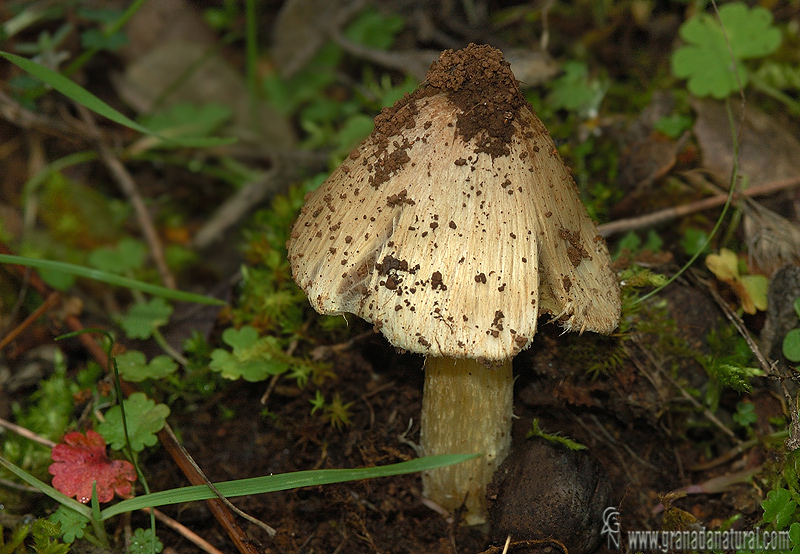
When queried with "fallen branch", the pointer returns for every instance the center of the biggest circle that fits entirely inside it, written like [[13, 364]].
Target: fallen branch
[[668, 214]]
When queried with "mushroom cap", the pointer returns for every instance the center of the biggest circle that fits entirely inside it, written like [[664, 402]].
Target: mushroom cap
[[455, 224]]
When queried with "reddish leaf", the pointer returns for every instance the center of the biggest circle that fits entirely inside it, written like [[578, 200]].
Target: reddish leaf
[[81, 460]]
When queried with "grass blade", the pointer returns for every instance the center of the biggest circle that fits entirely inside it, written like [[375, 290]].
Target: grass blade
[[46, 489], [281, 482], [111, 279], [75, 92]]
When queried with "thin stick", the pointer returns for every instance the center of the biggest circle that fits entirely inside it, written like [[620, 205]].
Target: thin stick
[[131, 191], [706, 412], [198, 541], [51, 300], [668, 214], [270, 531], [27, 433]]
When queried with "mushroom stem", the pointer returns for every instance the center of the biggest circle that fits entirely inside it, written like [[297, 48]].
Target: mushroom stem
[[466, 407]]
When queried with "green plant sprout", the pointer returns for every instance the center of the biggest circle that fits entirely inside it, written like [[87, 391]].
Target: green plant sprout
[[713, 57], [727, 364], [536, 431], [44, 534], [337, 412]]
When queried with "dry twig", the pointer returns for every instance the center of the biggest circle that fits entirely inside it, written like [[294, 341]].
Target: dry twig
[[668, 214], [131, 191]]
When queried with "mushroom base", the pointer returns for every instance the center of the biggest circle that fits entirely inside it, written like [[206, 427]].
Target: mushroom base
[[466, 408]]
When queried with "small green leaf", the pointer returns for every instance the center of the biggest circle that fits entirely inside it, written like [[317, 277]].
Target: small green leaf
[[694, 240], [794, 536], [707, 60], [575, 91], [779, 508], [317, 403], [144, 541], [240, 339], [374, 29], [791, 345], [745, 414], [133, 366], [127, 256], [673, 125], [188, 120], [253, 359], [72, 523], [143, 318], [144, 417]]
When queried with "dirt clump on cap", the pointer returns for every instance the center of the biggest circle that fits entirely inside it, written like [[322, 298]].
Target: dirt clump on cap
[[479, 82]]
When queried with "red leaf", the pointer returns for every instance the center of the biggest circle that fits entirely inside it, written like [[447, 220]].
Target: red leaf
[[81, 460]]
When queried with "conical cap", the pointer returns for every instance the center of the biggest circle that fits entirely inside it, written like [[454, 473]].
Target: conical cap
[[455, 224]]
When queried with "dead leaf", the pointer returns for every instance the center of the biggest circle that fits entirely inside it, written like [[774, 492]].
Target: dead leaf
[[194, 73], [303, 26], [769, 151], [751, 289]]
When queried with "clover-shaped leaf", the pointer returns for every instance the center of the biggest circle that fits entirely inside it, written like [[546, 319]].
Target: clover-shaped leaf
[[794, 536], [145, 317], [576, 91], [187, 120], [133, 366], [779, 507], [145, 541], [144, 417], [81, 460], [751, 289], [745, 414], [252, 359], [707, 61], [71, 522], [123, 258]]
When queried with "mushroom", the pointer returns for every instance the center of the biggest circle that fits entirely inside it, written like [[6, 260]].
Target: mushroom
[[451, 228]]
